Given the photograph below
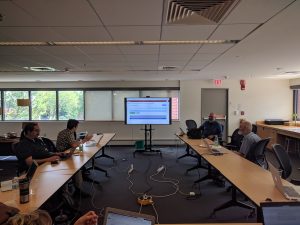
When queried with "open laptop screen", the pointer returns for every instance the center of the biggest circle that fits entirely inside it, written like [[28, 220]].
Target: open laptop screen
[[117, 216], [281, 213]]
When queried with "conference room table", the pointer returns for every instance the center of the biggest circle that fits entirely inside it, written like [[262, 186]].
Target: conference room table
[[49, 177], [250, 179], [215, 224]]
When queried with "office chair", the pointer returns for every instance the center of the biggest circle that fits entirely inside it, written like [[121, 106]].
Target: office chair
[[190, 124], [256, 153], [254, 128], [284, 163], [235, 141], [49, 144]]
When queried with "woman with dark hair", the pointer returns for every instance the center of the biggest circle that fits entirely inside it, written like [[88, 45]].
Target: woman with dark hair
[[29, 148], [40, 217]]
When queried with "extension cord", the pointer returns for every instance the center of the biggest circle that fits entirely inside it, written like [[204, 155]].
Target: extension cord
[[160, 169], [130, 169]]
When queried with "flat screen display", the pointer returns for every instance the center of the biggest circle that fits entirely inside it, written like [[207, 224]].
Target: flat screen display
[[148, 111]]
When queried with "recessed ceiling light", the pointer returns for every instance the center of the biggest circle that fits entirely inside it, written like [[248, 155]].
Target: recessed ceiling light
[[40, 68]]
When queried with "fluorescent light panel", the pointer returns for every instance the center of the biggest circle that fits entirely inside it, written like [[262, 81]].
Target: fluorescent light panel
[[99, 43]]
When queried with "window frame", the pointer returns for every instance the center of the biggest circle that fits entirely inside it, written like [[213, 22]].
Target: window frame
[[140, 89]]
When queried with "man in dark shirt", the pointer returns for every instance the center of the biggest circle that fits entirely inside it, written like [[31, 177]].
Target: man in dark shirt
[[211, 128], [31, 148]]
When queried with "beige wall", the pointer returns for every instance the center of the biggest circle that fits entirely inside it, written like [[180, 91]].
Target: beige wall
[[261, 99]]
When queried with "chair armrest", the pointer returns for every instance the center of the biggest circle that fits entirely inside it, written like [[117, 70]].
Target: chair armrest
[[295, 182], [232, 147]]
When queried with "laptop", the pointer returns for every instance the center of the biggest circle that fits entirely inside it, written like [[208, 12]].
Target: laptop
[[31, 171], [214, 150], [120, 217], [92, 143], [181, 132], [281, 213], [288, 191]]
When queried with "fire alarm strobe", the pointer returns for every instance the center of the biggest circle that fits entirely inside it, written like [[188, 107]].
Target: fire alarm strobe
[[145, 200]]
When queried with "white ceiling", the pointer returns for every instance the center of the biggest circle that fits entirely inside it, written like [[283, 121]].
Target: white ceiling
[[268, 30]]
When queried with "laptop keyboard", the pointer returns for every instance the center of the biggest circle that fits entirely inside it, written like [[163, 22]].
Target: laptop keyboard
[[290, 191]]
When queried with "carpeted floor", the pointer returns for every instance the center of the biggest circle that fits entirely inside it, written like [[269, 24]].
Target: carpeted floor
[[114, 190]]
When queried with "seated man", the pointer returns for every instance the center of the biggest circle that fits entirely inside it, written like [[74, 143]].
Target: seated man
[[249, 139], [31, 148], [211, 128], [66, 138]]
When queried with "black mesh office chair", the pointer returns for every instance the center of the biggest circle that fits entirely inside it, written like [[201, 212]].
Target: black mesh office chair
[[254, 128], [235, 141], [190, 124], [256, 153], [284, 163]]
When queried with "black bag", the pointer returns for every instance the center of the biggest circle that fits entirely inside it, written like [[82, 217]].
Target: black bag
[[194, 133]]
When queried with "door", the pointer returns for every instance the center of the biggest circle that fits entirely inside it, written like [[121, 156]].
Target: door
[[216, 101]]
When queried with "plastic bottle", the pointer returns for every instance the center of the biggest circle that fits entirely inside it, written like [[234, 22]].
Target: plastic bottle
[[81, 146], [15, 183], [216, 141]]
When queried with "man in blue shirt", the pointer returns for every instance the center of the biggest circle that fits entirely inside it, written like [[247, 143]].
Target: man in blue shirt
[[211, 127]]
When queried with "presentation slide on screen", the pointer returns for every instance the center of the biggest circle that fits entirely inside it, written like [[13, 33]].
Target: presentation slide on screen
[[148, 111]]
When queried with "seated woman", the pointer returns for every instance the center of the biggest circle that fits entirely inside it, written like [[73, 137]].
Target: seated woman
[[40, 217]]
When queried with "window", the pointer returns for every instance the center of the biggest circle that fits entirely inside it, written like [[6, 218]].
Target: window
[[11, 110], [296, 105], [174, 94], [98, 105], [118, 102], [70, 105], [80, 104]]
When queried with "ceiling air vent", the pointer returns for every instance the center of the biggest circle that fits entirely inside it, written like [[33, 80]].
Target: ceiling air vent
[[167, 68], [198, 11]]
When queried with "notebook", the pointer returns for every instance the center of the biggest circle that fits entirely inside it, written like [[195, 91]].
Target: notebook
[[281, 213], [288, 191], [120, 217]]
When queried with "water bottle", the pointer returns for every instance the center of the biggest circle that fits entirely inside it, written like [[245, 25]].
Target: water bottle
[[24, 190], [81, 146], [15, 183], [216, 141]]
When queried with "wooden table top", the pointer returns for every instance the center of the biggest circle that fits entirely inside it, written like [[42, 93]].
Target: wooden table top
[[215, 224], [49, 178], [254, 181], [292, 130]]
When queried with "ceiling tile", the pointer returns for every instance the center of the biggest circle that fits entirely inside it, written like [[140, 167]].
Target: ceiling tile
[[178, 49], [59, 50], [175, 57], [106, 50], [215, 48], [232, 31], [18, 50], [187, 32], [255, 11], [15, 16], [137, 58], [135, 33], [140, 49], [60, 13], [96, 33], [205, 56], [133, 12], [29, 34]]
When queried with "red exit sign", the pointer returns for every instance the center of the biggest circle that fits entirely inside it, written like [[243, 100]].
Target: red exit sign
[[218, 83]]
